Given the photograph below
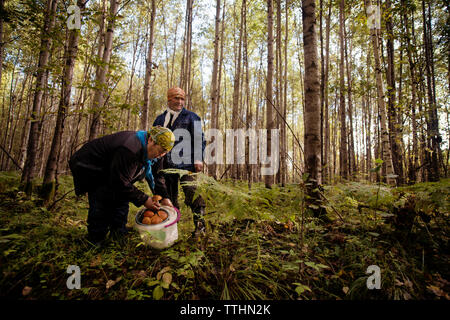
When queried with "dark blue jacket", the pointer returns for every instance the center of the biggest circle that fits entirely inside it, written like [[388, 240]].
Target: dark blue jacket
[[182, 155]]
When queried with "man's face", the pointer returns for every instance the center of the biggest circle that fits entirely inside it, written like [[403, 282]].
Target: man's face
[[176, 103], [154, 150]]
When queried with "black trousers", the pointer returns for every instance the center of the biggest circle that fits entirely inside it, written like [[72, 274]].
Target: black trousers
[[106, 213], [171, 182]]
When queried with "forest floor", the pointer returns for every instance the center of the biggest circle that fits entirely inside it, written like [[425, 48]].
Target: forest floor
[[260, 244]]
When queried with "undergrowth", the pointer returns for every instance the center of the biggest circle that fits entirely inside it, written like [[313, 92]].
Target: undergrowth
[[260, 244]]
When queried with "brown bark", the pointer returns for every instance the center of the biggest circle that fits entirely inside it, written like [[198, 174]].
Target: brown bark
[[394, 126], [100, 77], [29, 171], [212, 168], [148, 69], [268, 179], [386, 148], [70, 54], [433, 136], [343, 146], [312, 97]]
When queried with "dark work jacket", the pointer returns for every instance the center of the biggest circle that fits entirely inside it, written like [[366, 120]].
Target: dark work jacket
[[191, 122], [116, 160]]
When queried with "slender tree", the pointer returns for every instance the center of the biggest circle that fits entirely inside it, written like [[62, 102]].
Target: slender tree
[[148, 68], [386, 147], [343, 147], [312, 104], [212, 169], [102, 71], [70, 54], [270, 124], [29, 171]]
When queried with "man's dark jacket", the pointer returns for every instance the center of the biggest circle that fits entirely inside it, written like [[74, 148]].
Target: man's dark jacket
[[116, 160], [191, 122]]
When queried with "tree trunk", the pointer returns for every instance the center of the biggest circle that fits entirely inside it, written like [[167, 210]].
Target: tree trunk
[[29, 171], [268, 179], [212, 168], [102, 71], [352, 167], [312, 105], [386, 148], [1, 39], [148, 69], [434, 137], [71, 51], [394, 136], [413, 158], [343, 146], [185, 78], [326, 172]]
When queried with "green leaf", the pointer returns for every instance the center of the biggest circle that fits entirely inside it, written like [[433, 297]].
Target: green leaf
[[158, 293], [301, 288], [376, 169], [152, 283]]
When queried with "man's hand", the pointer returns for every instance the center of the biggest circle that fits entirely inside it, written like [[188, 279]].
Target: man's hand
[[198, 167], [149, 204], [166, 202]]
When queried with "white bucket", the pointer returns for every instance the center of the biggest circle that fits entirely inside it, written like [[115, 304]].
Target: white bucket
[[161, 235]]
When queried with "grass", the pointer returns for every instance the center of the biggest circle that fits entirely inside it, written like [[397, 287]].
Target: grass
[[254, 247]]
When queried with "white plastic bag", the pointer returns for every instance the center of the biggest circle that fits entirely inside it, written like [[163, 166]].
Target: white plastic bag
[[161, 235]]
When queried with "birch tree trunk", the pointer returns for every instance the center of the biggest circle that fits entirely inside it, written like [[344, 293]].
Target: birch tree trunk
[[326, 174], [70, 54], [312, 106], [343, 147], [100, 77], [148, 69], [236, 93], [434, 137], [29, 171], [268, 179], [386, 147], [212, 168]]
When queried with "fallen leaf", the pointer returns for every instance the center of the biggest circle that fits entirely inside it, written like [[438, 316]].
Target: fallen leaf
[[166, 280], [96, 261], [437, 291], [109, 284], [26, 290], [345, 290], [398, 283]]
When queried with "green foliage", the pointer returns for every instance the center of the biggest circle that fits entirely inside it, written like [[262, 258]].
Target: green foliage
[[252, 248]]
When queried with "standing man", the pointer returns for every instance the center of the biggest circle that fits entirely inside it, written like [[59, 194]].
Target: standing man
[[187, 155], [106, 169]]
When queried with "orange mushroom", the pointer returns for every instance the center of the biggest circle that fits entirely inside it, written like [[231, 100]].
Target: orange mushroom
[[163, 214], [147, 220], [156, 219]]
